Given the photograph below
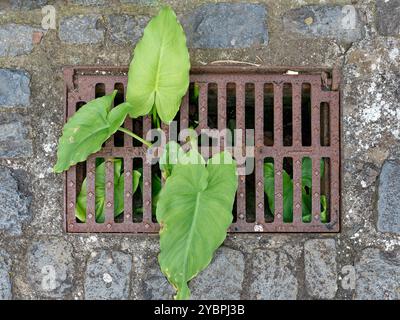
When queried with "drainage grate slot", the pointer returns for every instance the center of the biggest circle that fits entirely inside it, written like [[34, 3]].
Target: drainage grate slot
[[291, 122]]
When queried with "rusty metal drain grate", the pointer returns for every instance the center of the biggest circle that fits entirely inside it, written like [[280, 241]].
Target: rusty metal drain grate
[[294, 117]]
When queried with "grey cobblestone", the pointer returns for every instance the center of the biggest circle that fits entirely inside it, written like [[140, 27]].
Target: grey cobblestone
[[89, 2], [320, 268], [108, 276], [139, 2], [14, 206], [155, 285], [16, 39], [126, 29], [388, 17], [222, 279], [330, 21], [378, 275], [50, 268], [216, 26], [389, 201], [14, 88], [272, 276], [14, 136], [82, 29], [5, 280], [27, 4]]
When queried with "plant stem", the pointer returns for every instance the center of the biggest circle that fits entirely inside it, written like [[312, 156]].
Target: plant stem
[[130, 133]]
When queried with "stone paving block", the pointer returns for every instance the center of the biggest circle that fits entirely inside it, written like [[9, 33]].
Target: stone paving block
[[320, 268], [14, 88], [81, 29], [16, 39], [325, 21], [126, 29], [388, 17], [50, 268], [226, 25], [14, 205], [378, 275], [388, 198], [5, 279], [272, 276], [14, 136], [108, 276]]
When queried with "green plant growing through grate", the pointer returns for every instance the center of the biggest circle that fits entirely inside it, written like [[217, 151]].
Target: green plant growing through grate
[[193, 216], [288, 191]]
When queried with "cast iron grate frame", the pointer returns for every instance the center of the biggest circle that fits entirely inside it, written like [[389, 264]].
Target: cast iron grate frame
[[80, 83]]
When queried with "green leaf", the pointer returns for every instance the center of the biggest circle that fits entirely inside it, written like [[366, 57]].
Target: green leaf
[[269, 189], [269, 185], [306, 206], [119, 191], [174, 154], [288, 191], [196, 92], [324, 213], [306, 170], [87, 130], [170, 158], [307, 203], [287, 197], [194, 211], [159, 72], [117, 116], [100, 193]]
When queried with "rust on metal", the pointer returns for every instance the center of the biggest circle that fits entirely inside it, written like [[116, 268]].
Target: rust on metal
[[80, 86]]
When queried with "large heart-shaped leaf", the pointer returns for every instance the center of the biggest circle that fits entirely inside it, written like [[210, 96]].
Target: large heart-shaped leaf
[[87, 130], [174, 154], [159, 72], [100, 193], [194, 211]]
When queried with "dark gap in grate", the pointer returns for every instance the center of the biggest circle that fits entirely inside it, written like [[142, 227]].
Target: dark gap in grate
[[137, 199], [177, 126], [287, 189], [193, 105], [269, 189], [231, 111], [268, 114], [287, 118], [325, 188], [249, 120], [234, 212], [324, 124], [137, 128], [100, 90], [80, 104], [306, 114], [250, 198], [100, 185], [155, 188], [212, 101], [119, 98], [80, 176], [119, 192], [249, 106], [306, 197]]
